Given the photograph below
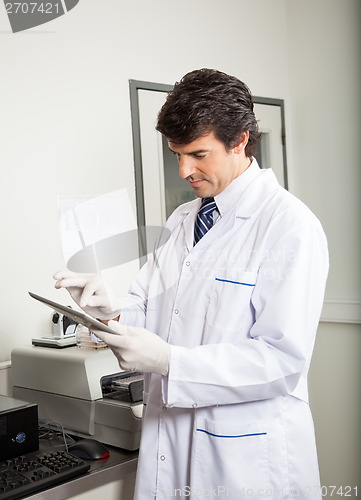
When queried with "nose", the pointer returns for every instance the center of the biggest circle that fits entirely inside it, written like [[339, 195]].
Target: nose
[[186, 167]]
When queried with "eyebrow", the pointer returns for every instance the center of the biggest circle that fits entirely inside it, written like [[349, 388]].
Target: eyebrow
[[197, 152]]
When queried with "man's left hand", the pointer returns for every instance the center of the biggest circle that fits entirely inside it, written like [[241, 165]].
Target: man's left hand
[[137, 348]]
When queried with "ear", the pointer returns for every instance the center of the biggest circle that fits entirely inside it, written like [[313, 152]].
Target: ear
[[243, 143]]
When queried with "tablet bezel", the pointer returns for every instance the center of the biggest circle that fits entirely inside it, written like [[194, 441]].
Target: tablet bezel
[[79, 317]]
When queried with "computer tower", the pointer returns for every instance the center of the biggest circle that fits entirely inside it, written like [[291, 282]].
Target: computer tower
[[18, 427]]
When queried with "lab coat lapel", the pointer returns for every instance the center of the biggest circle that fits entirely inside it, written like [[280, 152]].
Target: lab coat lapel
[[188, 228], [188, 223], [249, 203]]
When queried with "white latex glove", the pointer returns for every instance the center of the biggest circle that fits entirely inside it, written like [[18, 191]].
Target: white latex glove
[[137, 348], [90, 293]]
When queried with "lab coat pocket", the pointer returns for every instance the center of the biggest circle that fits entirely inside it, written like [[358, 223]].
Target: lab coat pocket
[[231, 458], [230, 297]]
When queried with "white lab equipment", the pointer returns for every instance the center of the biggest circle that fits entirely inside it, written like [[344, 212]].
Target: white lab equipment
[[80, 388]]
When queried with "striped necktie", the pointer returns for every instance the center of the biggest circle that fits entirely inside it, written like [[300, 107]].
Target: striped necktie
[[204, 220]]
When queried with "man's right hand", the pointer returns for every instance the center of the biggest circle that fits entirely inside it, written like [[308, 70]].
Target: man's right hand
[[90, 293]]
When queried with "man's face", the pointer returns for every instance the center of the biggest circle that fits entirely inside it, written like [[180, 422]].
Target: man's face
[[207, 166]]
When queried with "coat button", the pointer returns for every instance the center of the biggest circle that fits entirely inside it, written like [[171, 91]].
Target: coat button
[[162, 457], [188, 263], [176, 311]]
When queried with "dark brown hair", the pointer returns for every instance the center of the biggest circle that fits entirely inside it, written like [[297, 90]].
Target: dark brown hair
[[205, 101]]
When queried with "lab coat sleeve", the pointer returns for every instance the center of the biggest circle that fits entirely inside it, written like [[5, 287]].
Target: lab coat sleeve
[[274, 357]]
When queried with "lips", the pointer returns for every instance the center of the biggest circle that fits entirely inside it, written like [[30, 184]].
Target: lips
[[196, 183]]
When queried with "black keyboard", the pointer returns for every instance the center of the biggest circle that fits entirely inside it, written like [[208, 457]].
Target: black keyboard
[[25, 475]]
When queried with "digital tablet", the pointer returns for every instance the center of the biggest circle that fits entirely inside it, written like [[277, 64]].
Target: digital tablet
[[79, 317]]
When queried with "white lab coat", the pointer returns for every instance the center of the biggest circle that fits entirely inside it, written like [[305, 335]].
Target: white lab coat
[[240, 310]]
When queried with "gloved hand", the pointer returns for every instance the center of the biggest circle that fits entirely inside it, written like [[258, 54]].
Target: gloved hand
[[90, 293], [137, 348]]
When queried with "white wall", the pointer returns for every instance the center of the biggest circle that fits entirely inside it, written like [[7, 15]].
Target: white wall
[[335, 389], [65, 128], [325, 80]]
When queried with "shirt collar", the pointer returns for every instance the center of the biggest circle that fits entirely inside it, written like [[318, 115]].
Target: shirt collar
[[230, 196]]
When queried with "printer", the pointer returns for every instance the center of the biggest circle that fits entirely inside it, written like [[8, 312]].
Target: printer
[[82, 389]]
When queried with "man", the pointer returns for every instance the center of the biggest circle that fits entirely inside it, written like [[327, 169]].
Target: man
[[223, 320]]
